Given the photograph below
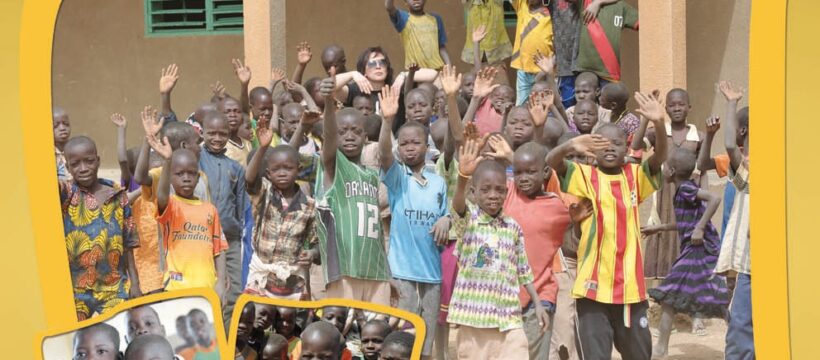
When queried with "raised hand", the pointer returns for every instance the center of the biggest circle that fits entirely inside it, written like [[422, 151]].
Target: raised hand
[[479, 33], [589, 144], [484, 82], [243, 72], [118, 120], [450, 80], [162, 147], [218, 90], [591, 12], [264, 134], [580, 211], [469, 155], [712, 124], [328, 85], [545, 63], [310, 117], [501, 150], [539, 106], [363, 83], [471, 131], [150, 122], [168, 79], [303, 53], [730, 91], [277, 74], [650, 107], [413, 67], [389, 101]]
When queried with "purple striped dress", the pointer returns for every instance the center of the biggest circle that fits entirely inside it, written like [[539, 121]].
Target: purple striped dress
[[691, 286]]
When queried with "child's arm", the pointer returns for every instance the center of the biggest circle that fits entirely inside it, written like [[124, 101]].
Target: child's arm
[[469, 157], [265, 136], [712, 203], [389, 100], [584, 144], [122, 152], [132, 196], [733, 95], [152, 125], [649, 230], [164, 187], [482, 88], [652, 110], [591, 12], [547, 66], [243, 73], [221, 274], [303, 56], [309, 118], [410, 79], [451, 83], [167, 81], [705, 160], [479, 33], [131, 264], [444, 55], [501, 150], [277, 75], [391, 8], [294, 87], [540, 313], [331, 132]]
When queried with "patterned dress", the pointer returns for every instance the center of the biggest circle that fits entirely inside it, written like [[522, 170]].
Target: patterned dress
[[691, 286]]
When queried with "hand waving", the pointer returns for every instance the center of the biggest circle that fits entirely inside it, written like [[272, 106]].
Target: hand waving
[[168, 79]]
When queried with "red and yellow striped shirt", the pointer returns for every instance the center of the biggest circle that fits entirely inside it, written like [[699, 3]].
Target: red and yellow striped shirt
[[610, 265]]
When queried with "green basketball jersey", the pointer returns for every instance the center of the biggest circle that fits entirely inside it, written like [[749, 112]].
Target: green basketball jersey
[[350, 233]]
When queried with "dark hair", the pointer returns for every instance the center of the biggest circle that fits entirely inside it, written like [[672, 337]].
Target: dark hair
[[286, 149], [413, 124], [361, 64], [257, 92], [401, 338], [372, 126], [147, 340], [109, 331], [312, 84], [177, 132], [383, 325], [743, 117]]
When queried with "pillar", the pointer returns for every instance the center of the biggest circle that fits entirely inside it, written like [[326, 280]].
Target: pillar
[[662, 45], [264, 38]]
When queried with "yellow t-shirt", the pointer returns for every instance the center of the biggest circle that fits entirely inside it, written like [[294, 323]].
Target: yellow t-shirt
[[239, 153], [422, 36], [533, 34]]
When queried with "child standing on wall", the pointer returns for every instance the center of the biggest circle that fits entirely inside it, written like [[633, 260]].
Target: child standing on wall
[[422, 34]]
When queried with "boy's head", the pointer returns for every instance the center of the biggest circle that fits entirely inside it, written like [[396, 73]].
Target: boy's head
[[398, 345], [530, 169], [182, 329], [261, 102], [586, 86], [681, 164], [265, 315], [282, 166], [586, 116], [519, 127], [181, 136], [412, 143], [291, 116], [350, 132], [184, 172], [143, 320], [321, 340], [375, 65], [467, 85], [286, 321], [502, 97], [62, 126], [416, 6], [742, 126], [364, 104], [614, 96], [276, 348], [540, 86], [489, 185], [199, 327], [245, 131], [283, 98], [312, 88], [215, 132], [334, 55], [82, 160], [373, 126], [613, 156], [99, 341], [373, 334], [245, 326], [418, 106], [336, 316], [553, 130], [233, 113], [149, 347], [677, 105], [203, 110]]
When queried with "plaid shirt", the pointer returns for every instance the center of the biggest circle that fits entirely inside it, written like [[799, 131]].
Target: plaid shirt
[[279, 233]]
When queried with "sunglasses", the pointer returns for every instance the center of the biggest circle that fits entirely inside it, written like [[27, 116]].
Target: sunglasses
[[377, 63]]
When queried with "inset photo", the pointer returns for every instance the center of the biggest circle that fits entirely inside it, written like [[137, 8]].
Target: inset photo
[[264, 328], [184, 328]]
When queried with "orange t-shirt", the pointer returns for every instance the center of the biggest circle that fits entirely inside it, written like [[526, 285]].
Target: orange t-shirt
[[192, 237], [721, 167], [146, 256]]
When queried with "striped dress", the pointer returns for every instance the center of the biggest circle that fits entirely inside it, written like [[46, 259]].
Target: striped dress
[[691, 286]]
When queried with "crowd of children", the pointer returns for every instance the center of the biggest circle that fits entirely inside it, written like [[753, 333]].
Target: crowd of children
[[507, 210]]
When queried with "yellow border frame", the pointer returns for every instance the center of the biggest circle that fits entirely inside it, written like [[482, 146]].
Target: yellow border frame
[[213, 300], [418, 323]]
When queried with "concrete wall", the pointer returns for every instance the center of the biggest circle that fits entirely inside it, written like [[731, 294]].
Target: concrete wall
[[103, 63]]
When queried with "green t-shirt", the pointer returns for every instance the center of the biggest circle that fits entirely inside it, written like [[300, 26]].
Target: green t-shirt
[[350, 234], [599, 49]]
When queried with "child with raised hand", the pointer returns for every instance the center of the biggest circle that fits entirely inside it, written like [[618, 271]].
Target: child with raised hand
[[99, 341], [62, 132], [734, 258], [354, 257], [422, 34], [599, 43], [490, 255], [533, 35], [99, 233], [191, 229], [284, 236], [611, 297], [303, 57], [261, 102], [418, 202], [488, 104], [691, 286], [243, 350], [487, 39], [243, 74]]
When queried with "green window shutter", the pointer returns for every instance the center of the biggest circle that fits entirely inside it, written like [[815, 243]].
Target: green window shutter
[[193, 17]]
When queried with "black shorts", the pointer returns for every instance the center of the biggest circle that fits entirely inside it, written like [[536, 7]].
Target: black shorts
[[600, 325]]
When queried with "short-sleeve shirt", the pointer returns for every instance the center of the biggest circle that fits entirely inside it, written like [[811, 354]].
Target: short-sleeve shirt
[[97, 232], [282, 231], [496, 44], [350, 233], [628, 122], [533, 34], [566, 27], [239, 152], [544, 220], [415, 206], [610, 264], [192, 238], [599, 49], [487, 120], [422, 36], [735, 251], [146, 256], [492, 266]]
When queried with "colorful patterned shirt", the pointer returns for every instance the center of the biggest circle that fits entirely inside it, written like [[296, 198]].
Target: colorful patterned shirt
[[566, 27], [628, 122], [492, 266], [599, 49], [496, 44], [97, 232], [610, 265], [533, 34]]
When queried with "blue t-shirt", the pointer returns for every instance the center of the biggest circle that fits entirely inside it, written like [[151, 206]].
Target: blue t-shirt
[[415, 208]]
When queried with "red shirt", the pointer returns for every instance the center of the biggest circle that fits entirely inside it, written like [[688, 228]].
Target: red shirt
[[544, 220]]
